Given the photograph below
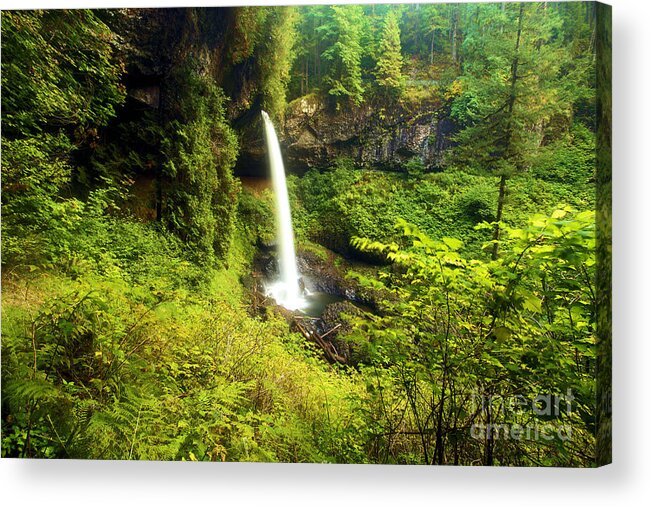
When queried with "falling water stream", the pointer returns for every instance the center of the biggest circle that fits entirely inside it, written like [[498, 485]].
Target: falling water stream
[[286, 290]]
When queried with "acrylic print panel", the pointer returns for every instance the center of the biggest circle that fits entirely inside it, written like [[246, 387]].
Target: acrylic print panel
[[335, 234]]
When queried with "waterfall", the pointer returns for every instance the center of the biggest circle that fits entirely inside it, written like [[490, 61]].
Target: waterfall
[[286, 289]]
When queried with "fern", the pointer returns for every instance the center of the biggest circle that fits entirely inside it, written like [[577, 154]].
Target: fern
[[20, 391]]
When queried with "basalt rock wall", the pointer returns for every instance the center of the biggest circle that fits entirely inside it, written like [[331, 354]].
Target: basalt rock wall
[[376, 135]]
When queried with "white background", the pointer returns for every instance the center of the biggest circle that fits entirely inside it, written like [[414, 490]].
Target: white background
[[626, 482]]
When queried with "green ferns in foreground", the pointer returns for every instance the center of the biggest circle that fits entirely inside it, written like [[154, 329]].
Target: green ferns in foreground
[[115, 356]]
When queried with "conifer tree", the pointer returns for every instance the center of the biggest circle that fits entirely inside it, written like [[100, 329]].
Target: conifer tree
[[512, 86], [388, 70], [275, 57], [344, 78]]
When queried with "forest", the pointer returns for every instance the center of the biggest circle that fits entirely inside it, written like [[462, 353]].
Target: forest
[[448, 173]]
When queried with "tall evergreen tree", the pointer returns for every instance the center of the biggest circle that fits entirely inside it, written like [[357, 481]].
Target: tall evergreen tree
[[275, 57], [512, 86], [435, 20], [344, 78], [388, 70], [305, 74]]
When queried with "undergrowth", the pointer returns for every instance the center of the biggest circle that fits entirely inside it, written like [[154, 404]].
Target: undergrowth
[[124, 349]]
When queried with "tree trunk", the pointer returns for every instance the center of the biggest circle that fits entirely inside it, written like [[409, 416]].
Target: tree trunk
[[509, 133], [498, 216], [431, 49], [455, 34], [488, 448], [438, 451]]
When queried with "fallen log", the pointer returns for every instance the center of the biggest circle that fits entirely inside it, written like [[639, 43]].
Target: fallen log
[[331, 330], [328, 348]]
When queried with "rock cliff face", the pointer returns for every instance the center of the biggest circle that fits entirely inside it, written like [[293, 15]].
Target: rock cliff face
[[374, 135], [156, 41]]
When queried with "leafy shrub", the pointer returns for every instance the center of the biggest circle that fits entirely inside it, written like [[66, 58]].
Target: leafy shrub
[[478, 204], [414, 168], [100, 372], [60, 83], [34, 170], [336, 205], [569, 160], [275, 56], [255, 216], [459, 330]]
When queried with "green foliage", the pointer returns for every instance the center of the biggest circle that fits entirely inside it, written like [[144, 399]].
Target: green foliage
[[245, 32], [427, 29], [59, 70], [82, 349], [569, 159], [513, 85], [389, 64], [264, 39], [414, 168], [200, 150], [445, 42], [124, 340], [275, 57], [459, 331], [136, 150], [515, 89], [254, 214], [131, 358], [60, 82], [478, 203], [344, 78], [34, 172], [333, 206], [118, 345]]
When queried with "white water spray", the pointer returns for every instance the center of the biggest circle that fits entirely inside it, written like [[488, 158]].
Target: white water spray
[[285, 290]]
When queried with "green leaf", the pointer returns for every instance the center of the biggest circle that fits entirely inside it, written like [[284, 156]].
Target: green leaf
[[532, 303], [502, 334], [453, 243]]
